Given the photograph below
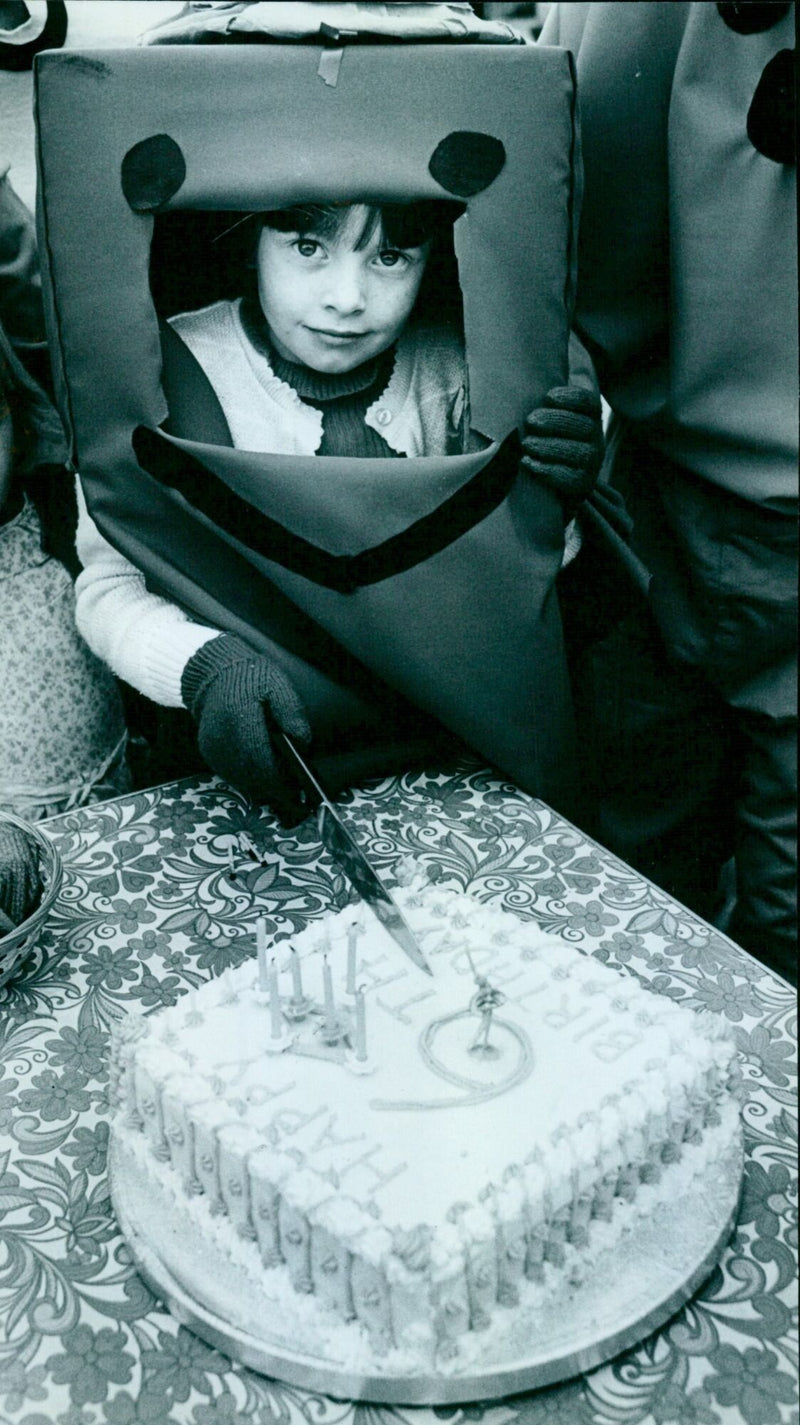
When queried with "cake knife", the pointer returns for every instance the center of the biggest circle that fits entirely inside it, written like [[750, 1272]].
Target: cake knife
[[346, 852]]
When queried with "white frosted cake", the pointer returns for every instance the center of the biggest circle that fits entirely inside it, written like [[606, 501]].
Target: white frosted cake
[[393, 1171]]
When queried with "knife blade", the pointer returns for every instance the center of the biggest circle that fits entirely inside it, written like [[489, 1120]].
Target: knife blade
[[346, 852]]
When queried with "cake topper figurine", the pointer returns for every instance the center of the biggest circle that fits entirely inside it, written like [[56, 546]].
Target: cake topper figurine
[[484, 1003]]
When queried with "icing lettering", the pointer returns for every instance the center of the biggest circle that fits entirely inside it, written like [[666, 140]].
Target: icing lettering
[[374, 979], [482, 959], [384, 1178], [368, 966], [590, 1028], [449, 946], [259, 1094], [615, 1045], [506, 975], [528, 994], [398, 1011], [380, 1176], [561, 1017], [329, 1138], [288, 1121]]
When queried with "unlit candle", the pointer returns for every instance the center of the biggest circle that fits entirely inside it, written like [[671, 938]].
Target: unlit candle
[[361, 1026], [275, 1021], [261, 951], [297, 981], [352, 953], [330, 1004]]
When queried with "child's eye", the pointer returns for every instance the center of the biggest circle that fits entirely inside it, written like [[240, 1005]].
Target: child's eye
[[307, 247], [392, 257]]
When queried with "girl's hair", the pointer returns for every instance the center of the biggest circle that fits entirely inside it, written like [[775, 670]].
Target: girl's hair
[[401, 225]]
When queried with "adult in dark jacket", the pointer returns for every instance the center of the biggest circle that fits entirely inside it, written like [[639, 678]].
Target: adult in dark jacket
[[688, 303]]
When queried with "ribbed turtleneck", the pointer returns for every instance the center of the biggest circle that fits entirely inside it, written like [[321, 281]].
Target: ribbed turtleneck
[[342, 398]]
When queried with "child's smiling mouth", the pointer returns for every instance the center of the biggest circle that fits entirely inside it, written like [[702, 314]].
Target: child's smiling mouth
[[331, 335]]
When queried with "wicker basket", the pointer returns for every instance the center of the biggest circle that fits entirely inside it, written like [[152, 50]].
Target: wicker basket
[[18, 943]]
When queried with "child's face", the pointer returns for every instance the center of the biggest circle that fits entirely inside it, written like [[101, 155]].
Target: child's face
[[331, 305]]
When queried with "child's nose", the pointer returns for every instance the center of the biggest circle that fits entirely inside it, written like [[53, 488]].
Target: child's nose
[[346, 289]]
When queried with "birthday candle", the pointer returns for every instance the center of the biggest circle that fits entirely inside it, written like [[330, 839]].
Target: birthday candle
[[352, 938], [261, 950], [297, 982], [275, 1022], [361, 1026], [330, 1006]]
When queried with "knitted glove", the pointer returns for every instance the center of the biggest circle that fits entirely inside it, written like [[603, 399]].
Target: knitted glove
[[20, 878], [234, 696], [562, 444]]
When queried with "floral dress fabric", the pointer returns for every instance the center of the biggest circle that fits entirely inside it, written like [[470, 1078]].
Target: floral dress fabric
[[62, 730]]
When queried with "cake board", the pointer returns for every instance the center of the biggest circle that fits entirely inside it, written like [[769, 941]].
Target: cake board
[[628, 1294]]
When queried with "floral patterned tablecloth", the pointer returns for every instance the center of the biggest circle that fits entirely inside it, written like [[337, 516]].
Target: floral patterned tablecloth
[[149, 907]]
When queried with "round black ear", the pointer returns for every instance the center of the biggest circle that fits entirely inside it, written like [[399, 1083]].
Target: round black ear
[[152, 173], [749, 17], [772, 116], [465, 163]]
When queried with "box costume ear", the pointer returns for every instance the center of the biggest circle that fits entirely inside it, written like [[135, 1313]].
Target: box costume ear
[[464, 163], [431, 591], [152, 172]]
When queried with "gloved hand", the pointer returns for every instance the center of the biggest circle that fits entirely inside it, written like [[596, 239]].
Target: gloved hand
[[562, 444], [20, 877], [235, 695]]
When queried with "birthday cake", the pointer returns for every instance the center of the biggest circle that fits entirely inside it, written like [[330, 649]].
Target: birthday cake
[[395, 1171]]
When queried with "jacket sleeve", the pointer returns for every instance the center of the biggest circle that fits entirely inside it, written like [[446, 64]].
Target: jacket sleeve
[[144, 639], [20, 284]]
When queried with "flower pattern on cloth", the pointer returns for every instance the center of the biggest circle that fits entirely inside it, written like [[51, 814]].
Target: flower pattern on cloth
[[62, 729]]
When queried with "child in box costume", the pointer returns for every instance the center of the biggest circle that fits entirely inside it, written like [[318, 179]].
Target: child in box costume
[[354, 591]]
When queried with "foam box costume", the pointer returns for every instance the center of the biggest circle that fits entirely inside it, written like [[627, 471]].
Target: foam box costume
[[384, 586]]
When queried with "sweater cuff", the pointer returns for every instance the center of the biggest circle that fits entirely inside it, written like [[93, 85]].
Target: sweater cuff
[[167, 660], [209, 660]]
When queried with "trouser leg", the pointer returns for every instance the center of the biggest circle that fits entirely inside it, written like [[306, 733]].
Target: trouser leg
[[724, 596], [656, 748], [764, 920]]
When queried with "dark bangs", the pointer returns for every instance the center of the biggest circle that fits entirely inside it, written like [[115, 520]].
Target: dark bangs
[[402, 225]]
